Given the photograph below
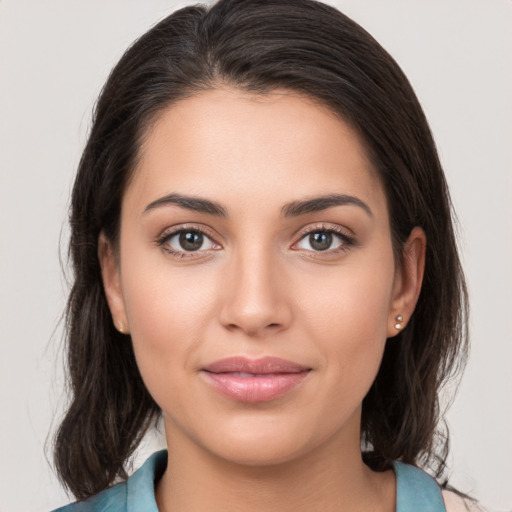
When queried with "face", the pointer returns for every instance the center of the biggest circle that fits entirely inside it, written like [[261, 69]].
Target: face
[[256, 275]]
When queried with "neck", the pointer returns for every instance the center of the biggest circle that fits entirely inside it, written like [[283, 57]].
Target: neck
[[329, 478]]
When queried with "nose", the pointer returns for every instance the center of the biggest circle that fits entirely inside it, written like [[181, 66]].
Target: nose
[[255, 298]]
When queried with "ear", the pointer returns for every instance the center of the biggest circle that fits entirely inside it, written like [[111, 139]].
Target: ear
[[110, 274], [408, 280]]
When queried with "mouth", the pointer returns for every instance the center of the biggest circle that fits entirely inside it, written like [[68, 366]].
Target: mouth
[[254, 380]]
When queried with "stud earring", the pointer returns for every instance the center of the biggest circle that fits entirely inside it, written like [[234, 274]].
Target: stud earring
[[120, 327], [399, 319]]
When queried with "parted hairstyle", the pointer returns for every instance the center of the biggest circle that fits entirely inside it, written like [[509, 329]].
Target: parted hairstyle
[[297, 45]]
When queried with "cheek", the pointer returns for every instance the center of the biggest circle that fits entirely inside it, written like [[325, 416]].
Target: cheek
[[166, 307], [354, 300], [346, 312], [168, 312]]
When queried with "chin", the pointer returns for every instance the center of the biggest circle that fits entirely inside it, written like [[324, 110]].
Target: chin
[[261, 453], [266, 441]]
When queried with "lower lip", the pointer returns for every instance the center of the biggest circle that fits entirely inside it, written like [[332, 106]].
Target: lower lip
[[259, 388]]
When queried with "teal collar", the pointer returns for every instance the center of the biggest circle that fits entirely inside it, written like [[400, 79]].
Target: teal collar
[[416, 490]]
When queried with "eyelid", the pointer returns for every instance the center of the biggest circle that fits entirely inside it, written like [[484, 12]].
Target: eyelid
[[172, 231], [345, 234], [187, 226]]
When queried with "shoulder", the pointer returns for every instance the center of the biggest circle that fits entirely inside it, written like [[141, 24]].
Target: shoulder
[[137, 492], [456, 503], [416, 490], [113, 500]]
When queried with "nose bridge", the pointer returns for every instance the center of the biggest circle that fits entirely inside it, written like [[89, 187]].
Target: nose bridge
[[255, 299]]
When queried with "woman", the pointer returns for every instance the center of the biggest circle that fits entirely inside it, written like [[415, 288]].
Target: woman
[[264, 255]]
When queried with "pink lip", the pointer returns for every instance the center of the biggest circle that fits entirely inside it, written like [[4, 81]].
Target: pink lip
[[254, 380]]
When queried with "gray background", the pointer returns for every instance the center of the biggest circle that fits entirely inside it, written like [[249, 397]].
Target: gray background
[[54, 58]]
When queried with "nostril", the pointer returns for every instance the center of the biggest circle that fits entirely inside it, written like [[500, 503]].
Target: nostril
[[254, 330]]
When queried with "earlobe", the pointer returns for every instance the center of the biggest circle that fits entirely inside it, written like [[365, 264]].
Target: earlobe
[[408, 281], [112, 283]]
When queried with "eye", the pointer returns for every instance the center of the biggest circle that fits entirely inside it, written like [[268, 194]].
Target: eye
[[187, 240], [320, 240]]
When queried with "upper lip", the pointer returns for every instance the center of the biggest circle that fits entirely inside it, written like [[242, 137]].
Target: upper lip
[[262, 365]]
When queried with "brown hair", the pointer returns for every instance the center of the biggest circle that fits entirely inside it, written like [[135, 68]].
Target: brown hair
[[300, 45]]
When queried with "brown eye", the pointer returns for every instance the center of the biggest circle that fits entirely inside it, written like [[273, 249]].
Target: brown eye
[[324, 240], [183, 241], [320, 241], [190, 240]]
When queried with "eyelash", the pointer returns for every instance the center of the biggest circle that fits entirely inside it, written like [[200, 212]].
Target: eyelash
[[163, 240], [346, 241]]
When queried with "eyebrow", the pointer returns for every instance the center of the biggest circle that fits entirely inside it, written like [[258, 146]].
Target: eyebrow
[[293, 209], [317, 204], [190, 203]]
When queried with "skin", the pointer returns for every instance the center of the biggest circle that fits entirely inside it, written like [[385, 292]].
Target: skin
[[257, 287]]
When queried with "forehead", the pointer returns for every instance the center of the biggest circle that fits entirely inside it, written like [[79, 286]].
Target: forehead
[[226, 144]]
